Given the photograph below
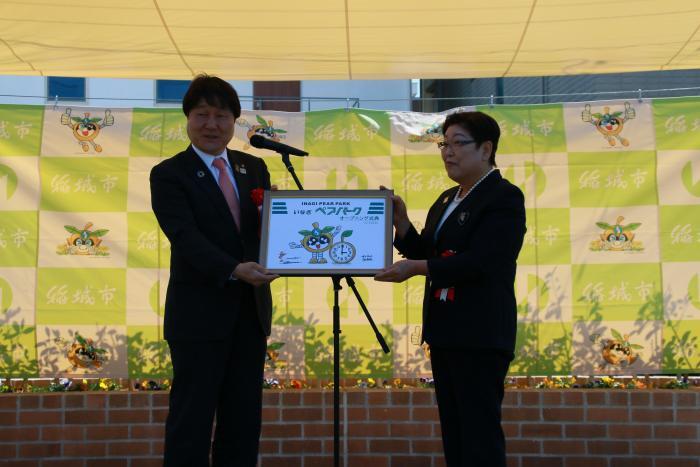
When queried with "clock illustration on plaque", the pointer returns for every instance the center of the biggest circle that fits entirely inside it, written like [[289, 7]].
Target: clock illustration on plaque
[[343, 252]]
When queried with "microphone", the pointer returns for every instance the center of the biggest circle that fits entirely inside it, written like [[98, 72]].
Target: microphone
[[261, 142]]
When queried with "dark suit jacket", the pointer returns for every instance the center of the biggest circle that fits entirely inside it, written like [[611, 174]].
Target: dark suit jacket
[[202, 302], [484, 235]]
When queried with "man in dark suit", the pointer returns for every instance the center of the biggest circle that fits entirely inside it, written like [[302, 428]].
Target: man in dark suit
[[218, 307], [467, 251]]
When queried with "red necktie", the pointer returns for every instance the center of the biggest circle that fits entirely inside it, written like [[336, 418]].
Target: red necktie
[[228, 190]]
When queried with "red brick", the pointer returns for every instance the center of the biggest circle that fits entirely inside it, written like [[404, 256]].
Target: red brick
[[687, 415], [541, 430], [61, 433], [424, 397], [377, 397], [355, 446], [160, 399], [530, 398], [368, 430], [400, 398], [157, 448], [551, 398], [8, 451], [52, 401], [629, 431], [139, 400], [29, 401], [619, 398], [510, 399], [8, 402], [40, 418], [19, 434], [129, 416], [523, 414], [354, 398], [573, 398], [269, 446], [523, 446], [74, 401], [689, 448], [318, 430], [318, 461], [312, 398], [270, 414], [652, 415], [286, 461], [147, 431], [286, 430], [129, 448], [410, 430], [410, 461], [41, 450], [641, 399], [542, 462], [8, 418], [353, 414], [604, 414], [106, 463], [676, 431], [118, 401], [425, 414], [587, 430], [586, 461], [271, 398], [58, 463], [607, 447], [595, 397], [389, 413], [427, 446], [96, 401], [365, 461], [389, 446], [686, 399], [305, 446], [158, 462], [662, 399], [630, 462], [562, 414], [649, 447], [511, 430], [563, 447], [290, 399], [108, 432], [672, 462], [85, 417], [159, 415], [301, 414], [84, 449]]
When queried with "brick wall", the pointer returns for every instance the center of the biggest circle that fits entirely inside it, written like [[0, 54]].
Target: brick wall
[[385, 428]]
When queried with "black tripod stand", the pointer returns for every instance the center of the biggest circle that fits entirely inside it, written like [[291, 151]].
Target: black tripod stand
[[336, 332]]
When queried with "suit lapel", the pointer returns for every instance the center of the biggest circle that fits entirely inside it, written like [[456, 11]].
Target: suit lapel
[[465, 210], [242, 174], [437, 213], [201, 175]]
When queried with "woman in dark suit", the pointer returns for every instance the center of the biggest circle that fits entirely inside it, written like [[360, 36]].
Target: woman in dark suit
[[467, 251]]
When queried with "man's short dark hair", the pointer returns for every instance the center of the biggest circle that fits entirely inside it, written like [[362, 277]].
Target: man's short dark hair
[[215, 91], [481, 127]]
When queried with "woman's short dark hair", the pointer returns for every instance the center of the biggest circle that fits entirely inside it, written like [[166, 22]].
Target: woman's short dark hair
[[215, 91], [481, 127]]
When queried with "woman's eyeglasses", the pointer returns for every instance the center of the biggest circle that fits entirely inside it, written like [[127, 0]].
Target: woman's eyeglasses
[[459, 144]]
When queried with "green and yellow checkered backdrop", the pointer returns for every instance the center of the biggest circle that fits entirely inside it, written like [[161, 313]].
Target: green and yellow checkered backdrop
[[608, 278]]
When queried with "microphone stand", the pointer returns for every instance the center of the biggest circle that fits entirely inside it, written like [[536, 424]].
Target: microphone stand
[[336, 332]]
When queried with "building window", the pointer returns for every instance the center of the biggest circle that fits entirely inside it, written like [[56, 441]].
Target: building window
[[170, 91], [415, 89], [66, 89]]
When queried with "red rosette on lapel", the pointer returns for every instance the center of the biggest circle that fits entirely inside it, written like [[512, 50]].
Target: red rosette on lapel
[[257, 195], [446, 294]]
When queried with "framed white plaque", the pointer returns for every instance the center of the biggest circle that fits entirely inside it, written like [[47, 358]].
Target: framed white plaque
[[326, 232]]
